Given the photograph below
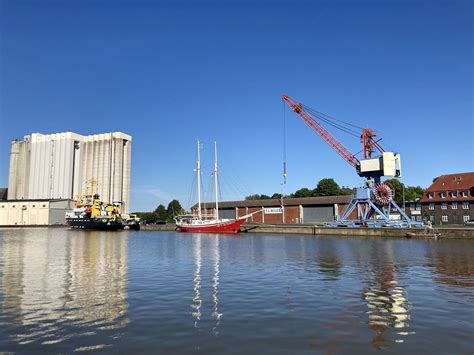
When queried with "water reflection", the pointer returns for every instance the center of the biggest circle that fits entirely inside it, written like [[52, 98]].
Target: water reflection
[[52, 281], [197, 304], [62, 291], [452, 265], [215, 286], [385, 296], [328, 259]]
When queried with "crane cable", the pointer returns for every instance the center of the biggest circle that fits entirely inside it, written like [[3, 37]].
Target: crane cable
[[332, 122], [332, 118]]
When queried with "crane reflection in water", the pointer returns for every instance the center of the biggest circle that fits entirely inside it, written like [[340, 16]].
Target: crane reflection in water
[[197, 304], [387, 303]]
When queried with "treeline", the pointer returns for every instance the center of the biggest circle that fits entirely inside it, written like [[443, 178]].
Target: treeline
[[411, 193], [325, 187], [329, 187], [161, 213]]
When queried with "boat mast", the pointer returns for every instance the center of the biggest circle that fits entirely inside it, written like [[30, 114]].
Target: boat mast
[[198, 170], [216, 181]]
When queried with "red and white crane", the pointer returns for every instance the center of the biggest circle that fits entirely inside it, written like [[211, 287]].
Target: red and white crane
[[375, 198]]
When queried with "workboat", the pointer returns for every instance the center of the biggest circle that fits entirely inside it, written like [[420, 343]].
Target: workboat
[[423, 235], [91, 213], [202, 223]]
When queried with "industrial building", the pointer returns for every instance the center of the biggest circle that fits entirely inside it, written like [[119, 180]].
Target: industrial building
[[37, 212], [309, 210], [449, 199], [58, 166]]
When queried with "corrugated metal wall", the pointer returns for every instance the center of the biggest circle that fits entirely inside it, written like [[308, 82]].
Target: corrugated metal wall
[[315, 214], [227, 213], [57, 166]]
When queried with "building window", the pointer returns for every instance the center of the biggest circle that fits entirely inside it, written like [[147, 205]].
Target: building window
[[444, 218], [444, 206], [464, 194], [465, 205], [418, 207], [465, 218], [442, 194], [430, 195], [431, 206], [44, 205], [454, 194], [454, 205], [412, 206], [34, 205]]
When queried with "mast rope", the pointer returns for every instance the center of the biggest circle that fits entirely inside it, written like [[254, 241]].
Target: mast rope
[[284, 143]]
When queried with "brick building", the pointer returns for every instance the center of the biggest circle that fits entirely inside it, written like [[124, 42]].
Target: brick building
[[310, 210], [449, 199]]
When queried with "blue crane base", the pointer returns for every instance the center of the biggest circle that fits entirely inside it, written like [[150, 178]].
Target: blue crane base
[[373, 215]]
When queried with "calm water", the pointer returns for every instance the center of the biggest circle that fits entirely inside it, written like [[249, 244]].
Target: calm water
[[65, 291]]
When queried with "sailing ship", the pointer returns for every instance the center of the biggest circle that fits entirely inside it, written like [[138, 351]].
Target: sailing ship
[[202, 223]]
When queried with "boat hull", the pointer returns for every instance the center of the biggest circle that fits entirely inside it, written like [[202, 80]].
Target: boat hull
[[94, 224], [422, 235], [232, 226]]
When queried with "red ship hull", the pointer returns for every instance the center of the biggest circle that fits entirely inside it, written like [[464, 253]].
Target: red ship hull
[[232, 226]]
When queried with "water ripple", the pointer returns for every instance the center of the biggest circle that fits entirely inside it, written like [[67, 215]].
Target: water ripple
[[64, 291]]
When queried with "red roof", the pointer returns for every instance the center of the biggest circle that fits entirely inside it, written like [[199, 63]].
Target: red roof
[[459, 183]]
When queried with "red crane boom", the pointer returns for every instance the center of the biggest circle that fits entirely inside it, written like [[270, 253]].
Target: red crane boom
[[334, 143]]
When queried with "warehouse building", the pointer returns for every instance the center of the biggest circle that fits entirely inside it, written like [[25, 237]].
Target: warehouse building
[[58, 166], [36, 212], [307, 210], [449, 199]]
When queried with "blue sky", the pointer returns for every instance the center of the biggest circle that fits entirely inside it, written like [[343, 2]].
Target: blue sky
[[169, 72]]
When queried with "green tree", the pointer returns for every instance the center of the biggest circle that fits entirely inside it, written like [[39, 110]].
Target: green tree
[[327, 187], [161, 213], [398, 187], [276, 195], [147, 217], [303, 192], [174, 209], [257, 197], [346, 191], [413, 193]]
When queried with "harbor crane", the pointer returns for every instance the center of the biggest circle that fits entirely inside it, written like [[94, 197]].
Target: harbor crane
[[375, 199]]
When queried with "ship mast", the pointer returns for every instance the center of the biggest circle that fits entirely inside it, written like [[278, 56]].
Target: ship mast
[[198, 170], [216, 181]]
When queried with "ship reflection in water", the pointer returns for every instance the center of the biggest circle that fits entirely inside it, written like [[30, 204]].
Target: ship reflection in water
[[164, 292], [56, 287], [198, 280]]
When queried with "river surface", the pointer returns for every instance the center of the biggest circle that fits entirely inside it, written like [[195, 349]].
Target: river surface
[[64, 291]]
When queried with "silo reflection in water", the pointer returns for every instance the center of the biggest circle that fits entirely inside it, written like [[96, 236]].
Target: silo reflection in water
[[55, 280]]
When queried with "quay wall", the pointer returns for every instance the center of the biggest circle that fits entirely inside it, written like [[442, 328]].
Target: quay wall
[[446, 232]]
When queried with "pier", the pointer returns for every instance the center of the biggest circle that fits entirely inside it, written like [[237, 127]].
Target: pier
[[446, 232]]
